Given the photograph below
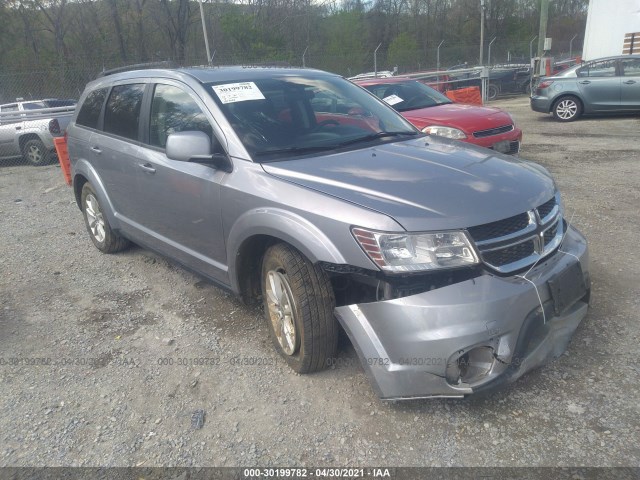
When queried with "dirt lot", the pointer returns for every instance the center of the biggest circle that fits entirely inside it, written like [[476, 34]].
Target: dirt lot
[[119, 328]]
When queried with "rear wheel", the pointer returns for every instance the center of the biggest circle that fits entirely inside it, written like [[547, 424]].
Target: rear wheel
[[299, 302], [567, 109], [36, 153], [105, 239]]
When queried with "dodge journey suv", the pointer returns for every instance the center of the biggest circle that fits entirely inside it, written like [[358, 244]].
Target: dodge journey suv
[[450, 267]]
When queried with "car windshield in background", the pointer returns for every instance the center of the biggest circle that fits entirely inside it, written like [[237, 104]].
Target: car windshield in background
[[289, 116], [34, 105], [409, 95]]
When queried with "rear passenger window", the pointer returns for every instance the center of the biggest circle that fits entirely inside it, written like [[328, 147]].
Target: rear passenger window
[[173, 110], [122, 113], [89, 113]]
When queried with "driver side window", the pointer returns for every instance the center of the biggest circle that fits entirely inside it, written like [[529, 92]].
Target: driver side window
[[173, 110]]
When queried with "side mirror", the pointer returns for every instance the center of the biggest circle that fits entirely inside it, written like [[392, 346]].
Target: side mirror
[[195, 146]]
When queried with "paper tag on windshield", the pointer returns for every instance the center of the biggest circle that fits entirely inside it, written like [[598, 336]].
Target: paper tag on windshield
[[393, 99], [238, 92]]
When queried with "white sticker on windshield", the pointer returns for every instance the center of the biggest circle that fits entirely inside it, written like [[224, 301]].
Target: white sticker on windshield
[[393, 99], [238, 92]]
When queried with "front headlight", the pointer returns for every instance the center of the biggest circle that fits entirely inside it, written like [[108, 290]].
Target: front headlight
[[410, 252], [447, 132]]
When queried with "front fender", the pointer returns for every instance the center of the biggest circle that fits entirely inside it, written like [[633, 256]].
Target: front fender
[[285, 225]]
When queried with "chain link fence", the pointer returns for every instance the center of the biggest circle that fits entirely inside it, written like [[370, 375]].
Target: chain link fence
[[26, 134]]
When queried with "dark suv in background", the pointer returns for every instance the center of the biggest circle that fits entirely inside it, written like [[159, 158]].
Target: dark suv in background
[[451, 267]]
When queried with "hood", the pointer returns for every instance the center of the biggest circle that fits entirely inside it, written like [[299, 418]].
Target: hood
[[425, 184], [468, 118]]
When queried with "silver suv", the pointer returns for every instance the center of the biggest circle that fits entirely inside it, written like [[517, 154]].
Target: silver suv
[[450, 267]]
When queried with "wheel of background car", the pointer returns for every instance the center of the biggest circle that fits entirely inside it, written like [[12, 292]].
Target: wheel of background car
[[105, 239], [36, 153], [492, 91], [298, 303], [567, 109]]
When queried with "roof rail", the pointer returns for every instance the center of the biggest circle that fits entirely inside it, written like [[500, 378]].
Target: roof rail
[[139, 66]]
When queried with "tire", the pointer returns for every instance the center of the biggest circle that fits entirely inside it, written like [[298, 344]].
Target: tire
[[567, 109], [36, 153], [492, 91], [105, 239], [298, 303]]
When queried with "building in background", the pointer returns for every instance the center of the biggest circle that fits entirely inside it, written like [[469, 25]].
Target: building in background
[[613, 28]]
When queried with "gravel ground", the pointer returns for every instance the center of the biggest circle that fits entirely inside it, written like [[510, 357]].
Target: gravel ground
[[118, 328]]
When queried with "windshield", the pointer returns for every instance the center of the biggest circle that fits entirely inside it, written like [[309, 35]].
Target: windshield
[[288, 115], [409, 95]]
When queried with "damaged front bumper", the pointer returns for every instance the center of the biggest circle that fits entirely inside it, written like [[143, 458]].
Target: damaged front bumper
[[475, 334]]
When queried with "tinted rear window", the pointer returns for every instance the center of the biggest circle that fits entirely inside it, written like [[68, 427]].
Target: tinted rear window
[[123, 110], [90, 111]]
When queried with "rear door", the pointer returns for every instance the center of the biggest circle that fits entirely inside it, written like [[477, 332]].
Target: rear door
[[179, 201], [117, 149], [599, 84], [630, 97]]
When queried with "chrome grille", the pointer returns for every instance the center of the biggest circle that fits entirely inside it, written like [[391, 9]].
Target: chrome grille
[[499, 228], [493, 131], [517, 242], [507, 255], [545, 209]]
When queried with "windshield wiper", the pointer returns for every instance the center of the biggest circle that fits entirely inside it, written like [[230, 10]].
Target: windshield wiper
[[373, 136], [320, 148], [294, 149]]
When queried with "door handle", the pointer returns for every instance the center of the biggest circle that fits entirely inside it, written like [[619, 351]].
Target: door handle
[[630, 82], [18, 128], [585, 82], [147, 167], [96, 150]]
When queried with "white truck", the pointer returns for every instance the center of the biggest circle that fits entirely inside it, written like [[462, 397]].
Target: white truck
[[27, 128]]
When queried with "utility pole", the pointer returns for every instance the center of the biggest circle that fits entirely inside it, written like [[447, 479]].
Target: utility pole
[[542, 34], [482, 7], [204, 31]]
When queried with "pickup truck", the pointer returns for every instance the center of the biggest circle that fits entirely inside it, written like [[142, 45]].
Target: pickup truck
[[27, 128]]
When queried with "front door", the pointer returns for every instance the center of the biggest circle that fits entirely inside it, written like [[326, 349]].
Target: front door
[[180, 201]]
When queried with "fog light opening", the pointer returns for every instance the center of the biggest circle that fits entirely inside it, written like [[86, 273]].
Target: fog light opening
[[472, 366]]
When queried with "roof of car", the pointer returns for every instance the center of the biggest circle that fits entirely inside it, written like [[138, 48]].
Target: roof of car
[[218, 74], [384, 81]]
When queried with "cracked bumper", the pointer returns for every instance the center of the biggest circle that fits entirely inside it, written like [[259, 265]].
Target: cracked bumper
[[409, 346]]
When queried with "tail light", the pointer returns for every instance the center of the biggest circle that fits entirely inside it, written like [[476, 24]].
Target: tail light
[[544, 84], [54, 127]]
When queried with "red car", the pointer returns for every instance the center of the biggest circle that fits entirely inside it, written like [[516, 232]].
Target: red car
[[435, 114]]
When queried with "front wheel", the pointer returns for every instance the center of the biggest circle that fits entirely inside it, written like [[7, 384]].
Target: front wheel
[[36, 153], [299, 302], [492, 91], [567, 109], [105, 239]]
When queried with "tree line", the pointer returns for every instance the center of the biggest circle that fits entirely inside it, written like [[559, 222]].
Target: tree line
[[336, 35]]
